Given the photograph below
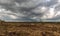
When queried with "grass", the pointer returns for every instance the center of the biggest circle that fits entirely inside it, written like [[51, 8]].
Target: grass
[[29, 29]]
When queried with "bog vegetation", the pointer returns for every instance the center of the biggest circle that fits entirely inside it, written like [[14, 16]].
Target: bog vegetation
[[29, 29]]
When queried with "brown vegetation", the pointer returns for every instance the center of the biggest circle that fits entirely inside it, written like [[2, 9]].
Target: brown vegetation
[[29, 29]]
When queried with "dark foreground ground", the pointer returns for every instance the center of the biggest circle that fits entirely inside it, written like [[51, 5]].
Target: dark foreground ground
[[29, 29]]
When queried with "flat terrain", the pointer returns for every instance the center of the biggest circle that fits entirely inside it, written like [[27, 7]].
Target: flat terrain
[[29, 29]]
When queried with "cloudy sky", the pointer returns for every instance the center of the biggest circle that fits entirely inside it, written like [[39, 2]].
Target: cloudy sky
[[30, 10]]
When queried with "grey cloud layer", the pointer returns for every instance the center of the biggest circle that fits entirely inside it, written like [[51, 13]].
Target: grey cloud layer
[[29, 10]]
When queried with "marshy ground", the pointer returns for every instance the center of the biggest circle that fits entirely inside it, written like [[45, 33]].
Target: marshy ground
[[29, 29]]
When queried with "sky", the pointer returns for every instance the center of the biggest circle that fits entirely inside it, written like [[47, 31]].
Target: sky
[[30, 10]]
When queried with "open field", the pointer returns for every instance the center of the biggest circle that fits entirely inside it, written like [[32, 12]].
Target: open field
[[29, 29]]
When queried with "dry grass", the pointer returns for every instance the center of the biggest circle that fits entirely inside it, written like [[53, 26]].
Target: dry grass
[[29, 29]]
